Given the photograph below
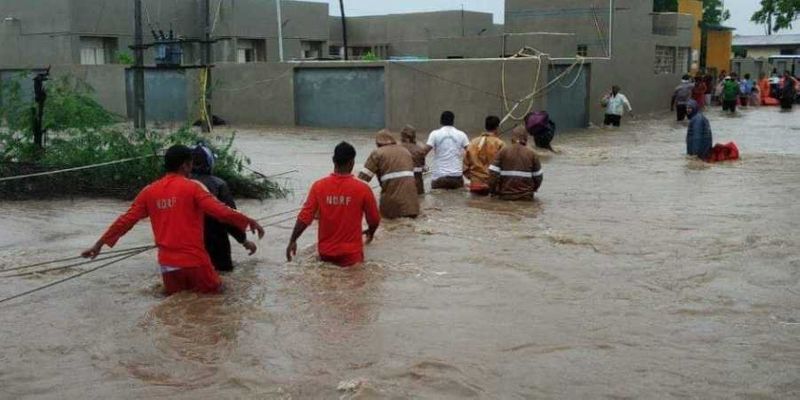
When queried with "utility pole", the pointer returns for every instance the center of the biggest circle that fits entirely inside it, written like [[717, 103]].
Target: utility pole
[[280, 29], [344, 29], [139, 121], [207, 64], [462, 19]]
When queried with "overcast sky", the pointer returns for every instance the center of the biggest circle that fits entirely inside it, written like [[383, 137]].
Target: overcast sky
[[741, 10]]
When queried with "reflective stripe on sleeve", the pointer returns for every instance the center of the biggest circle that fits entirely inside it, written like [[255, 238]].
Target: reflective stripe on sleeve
[[396, 175], [368, 173], [538, 173], [495, 168], [419, 170]]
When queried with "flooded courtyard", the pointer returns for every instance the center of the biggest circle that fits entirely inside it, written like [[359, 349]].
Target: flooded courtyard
[[638, 273]]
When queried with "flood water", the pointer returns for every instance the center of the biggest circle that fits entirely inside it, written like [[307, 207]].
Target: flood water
[[638, 273]]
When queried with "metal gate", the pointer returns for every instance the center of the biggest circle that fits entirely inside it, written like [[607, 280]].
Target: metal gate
[[567, 102], [165, 93], [340, 97]]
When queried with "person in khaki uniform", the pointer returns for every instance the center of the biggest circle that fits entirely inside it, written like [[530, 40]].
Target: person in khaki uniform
[[480, 155], [408, 139], [516, 173], [394, 167]]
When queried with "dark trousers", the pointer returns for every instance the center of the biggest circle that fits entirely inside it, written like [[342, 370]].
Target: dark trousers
[[681, 111], [448, 182], [729, 105], [612, 119]]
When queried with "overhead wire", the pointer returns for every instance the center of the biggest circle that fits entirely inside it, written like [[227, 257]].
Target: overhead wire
[[61, 171], [71, 277]]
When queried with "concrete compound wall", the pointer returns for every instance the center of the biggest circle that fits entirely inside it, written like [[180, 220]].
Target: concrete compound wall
[[415, 92]]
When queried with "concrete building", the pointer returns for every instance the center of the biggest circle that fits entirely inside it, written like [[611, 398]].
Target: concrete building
[[766, 46], [646, 55], [36, 33], [407, 35]]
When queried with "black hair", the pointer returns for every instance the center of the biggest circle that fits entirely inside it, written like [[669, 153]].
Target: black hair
[[343, 154], [746, 76], [176, 156], [492, 123], [448, 118], [686, 77]]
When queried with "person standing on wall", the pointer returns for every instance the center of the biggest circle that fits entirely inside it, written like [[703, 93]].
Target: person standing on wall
[[615, 104], [480, 155], [448, 145], [341, 201], [682, 94]]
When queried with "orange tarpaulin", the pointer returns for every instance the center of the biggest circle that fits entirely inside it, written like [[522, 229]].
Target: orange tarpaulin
[[766, 97]]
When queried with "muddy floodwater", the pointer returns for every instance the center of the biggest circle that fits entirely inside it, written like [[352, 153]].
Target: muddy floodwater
[[638, 273]]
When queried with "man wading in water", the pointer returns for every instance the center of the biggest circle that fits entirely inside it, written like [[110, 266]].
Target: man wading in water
[[176, 206], [394, 166], [448, 145], [341, 201], [215, 232]]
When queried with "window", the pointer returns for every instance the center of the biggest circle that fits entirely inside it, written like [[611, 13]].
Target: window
[[97, 50], [787, 52], [250, 50], [665, 60], [335, 51], [583, 50], [311, 49], [683, 59]]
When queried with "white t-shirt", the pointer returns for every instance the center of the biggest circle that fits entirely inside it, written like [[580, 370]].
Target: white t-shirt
[[448, 146]]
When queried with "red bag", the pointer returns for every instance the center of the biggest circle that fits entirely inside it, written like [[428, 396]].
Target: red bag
[[724, 152]]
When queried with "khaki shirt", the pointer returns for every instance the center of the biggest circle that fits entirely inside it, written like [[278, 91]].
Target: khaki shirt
[[480, 155], [418, 154], [394, 167], [516, 173]]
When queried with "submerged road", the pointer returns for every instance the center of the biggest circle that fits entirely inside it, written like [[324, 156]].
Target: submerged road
[[638, 273]]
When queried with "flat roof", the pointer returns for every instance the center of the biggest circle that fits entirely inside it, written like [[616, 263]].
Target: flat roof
[[767, 40]]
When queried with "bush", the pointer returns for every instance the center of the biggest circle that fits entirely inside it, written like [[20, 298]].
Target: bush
[[83, 133]]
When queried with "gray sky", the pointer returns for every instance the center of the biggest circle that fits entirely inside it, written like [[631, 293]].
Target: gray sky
[[741, 10]]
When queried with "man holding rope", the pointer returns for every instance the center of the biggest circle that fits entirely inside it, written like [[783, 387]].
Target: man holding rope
[[176, 207]]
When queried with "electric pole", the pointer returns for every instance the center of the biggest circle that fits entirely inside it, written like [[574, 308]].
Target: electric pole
[[207, 64], [280, 29], [139, 121], [344, 29]]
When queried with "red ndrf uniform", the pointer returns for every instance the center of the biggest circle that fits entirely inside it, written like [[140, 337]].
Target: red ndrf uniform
[[341, 201], [176, 206]]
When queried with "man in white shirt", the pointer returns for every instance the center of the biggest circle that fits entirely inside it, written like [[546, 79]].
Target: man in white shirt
[[615, 104], [448, 145]]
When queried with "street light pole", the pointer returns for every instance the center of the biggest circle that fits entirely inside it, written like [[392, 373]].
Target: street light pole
[[280, 29], [344, 29]]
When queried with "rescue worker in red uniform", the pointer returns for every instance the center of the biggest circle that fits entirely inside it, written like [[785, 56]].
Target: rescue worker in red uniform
[[176, 207], [342, 202], [516, 173]]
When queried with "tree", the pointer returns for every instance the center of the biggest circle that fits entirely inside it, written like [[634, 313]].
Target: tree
[[665, 6], [777, 14], [714, 12], [766, 15]]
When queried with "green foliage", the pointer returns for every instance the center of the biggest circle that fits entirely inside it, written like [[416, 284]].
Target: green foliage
[[665, 6], [776, 15], [124, 58], [714, 12], [82, 133], [370, 56]]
